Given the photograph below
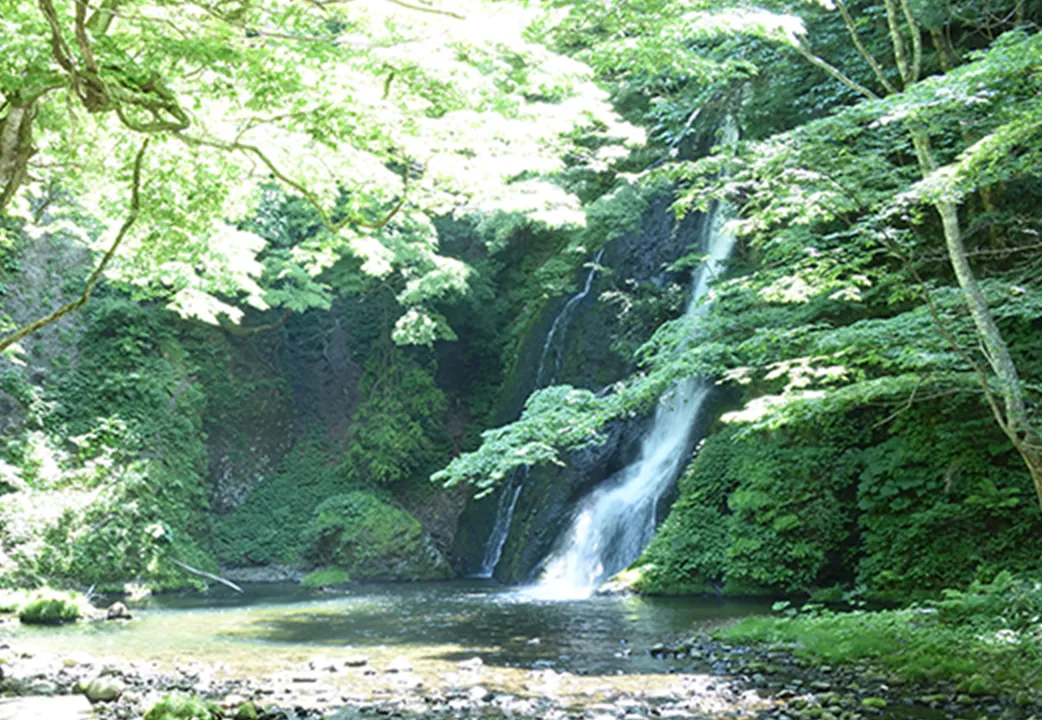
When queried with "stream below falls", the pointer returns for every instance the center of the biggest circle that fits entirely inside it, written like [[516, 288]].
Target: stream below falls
[[581, 653]]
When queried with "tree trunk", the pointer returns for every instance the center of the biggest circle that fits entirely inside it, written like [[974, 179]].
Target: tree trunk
[[1013, 418], [16, 148]]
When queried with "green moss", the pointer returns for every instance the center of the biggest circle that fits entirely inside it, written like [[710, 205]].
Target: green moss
[[50, 608], [326, 577], [183, 707], [372, 540]]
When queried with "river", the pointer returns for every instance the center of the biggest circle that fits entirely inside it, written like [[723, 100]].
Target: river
[[432, 624], [565, 657]]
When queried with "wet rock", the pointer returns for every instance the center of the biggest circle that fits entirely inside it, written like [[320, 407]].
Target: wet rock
[[399, 665], [478, 694], [356, 661], [117, 611], [474, 664], [104, 688]]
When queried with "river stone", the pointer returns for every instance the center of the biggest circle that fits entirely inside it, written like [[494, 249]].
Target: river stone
[[399, 665], [478, 694], [472, 665], [117, 611], [105, 688]]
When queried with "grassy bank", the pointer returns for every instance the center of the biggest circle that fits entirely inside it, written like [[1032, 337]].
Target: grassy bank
[[983, 641]]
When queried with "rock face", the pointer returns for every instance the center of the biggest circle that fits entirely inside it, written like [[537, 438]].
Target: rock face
[[249, 420], [587, 358]]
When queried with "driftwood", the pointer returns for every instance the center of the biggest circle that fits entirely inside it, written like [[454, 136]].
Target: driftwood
[[210, 576]]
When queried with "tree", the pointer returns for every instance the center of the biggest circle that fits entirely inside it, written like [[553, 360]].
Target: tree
[[844, 303], [944, 186], [378, 114]]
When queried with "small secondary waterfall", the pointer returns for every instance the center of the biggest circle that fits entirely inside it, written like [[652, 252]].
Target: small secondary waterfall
[[553, 349], [615, 522], [546, 374]]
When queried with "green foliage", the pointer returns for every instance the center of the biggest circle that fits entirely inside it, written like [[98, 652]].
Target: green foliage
[[376, 120], [759, 514], [942, 502], [115, 481], [51, 608], [183, 707], [926, 504], [266, 527], [962, 639], [1005, 603], [372, 540], [399, 426], [326, 577]]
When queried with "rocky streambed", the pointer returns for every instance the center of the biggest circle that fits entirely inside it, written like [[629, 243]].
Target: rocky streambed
[[698, 678]]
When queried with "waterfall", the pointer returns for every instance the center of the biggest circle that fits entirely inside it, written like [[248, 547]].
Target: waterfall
[[553, 349], [546, 374], [615, 522]]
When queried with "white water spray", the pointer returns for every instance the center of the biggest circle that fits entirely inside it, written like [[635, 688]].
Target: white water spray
[[615, 522], [546, 374]]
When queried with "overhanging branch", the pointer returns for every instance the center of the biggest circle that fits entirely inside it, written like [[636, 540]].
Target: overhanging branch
[[128, 223]]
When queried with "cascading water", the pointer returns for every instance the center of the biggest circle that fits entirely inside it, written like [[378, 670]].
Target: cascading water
[[553, 349], [546, 374], [616, 521]]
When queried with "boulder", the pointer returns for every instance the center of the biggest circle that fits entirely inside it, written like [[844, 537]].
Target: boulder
[[117, 611], [105, 688]]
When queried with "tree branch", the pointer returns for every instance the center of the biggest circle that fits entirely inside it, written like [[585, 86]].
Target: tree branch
[[432, 11], [848, 20], [208, 576], [917, 42], [898, 41], [324, 216], [834, 71], [128, 223]]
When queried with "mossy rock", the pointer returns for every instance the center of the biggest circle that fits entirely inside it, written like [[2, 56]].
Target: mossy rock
[[183, 707], [51, 609], [369, 539]]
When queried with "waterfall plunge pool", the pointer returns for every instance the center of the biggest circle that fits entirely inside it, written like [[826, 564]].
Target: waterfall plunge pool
[[579, 654], [434, 625]]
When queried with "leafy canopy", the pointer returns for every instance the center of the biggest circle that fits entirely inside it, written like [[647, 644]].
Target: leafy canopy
[[380, 114]]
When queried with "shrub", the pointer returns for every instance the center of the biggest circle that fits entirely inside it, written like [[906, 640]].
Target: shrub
[[52, 609]]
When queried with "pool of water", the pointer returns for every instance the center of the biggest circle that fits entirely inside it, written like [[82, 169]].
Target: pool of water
[[432, 624], [585, 651]]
